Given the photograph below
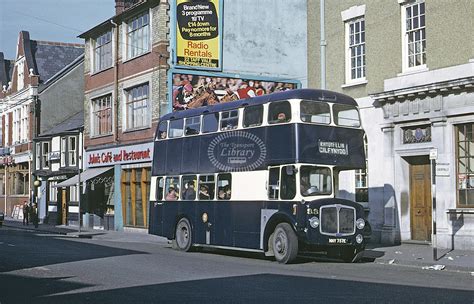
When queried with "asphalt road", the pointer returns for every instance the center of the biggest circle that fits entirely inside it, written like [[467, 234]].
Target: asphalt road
[[44, 268]]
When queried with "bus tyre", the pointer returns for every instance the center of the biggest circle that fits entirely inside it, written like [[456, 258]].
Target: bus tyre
[[183, 236], [284, 243]]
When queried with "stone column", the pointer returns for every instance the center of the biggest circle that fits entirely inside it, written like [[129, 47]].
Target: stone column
[[389, 228]]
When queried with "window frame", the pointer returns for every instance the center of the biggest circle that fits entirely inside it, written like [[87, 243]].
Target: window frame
[[469, 156], [421, 17], [45, 162], [143, 32], [97, 111], [103, 55], [288, 118], [245, 113], [71, 152], [131, 116], [355, 50], [231, 118]]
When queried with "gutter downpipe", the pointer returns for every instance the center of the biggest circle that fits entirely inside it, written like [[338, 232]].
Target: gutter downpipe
[[115, 122], [323, 46]]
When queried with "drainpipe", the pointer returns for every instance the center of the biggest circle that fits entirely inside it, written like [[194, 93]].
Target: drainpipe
[[323, 46], [116, 91]]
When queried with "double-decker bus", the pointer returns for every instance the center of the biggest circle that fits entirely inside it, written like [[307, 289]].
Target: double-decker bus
[[260, 174]]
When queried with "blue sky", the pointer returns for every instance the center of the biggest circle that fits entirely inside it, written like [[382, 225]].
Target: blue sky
[[50, 20]]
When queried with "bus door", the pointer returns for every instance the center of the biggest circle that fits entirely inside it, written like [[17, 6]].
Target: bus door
[[224, 208], [156, 208], [205, 213]]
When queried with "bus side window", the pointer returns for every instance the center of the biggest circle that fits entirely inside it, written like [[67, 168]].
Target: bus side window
[[229, 120], [274, 183], [192, 125], [188, 184], [288, 182], [172, 188], [206, 187], [159, 188], [279, 112], [315, 112], [224, 186], [253, 116], [210, 122], [162, 130], [176, 128]]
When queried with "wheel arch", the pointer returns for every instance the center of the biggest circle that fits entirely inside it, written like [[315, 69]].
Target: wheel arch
[[274, 220]]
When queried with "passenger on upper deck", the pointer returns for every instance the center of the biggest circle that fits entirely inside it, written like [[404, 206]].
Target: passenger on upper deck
[[172, 195], [190, 193], [204, 193]]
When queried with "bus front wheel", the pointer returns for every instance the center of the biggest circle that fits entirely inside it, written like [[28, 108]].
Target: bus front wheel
[[183, 236], [284, 243]]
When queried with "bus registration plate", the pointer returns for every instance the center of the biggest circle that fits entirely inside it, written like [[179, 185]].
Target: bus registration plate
[[337, 241]]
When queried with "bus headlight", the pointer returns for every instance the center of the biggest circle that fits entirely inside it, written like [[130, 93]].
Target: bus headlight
[[314, 222], [359, 238], [360, 223]]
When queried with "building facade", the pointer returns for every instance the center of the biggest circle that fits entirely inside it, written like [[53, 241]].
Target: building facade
[[410, 66], [125, 82], [36, 65]]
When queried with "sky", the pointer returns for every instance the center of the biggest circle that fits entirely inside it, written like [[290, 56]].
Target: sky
[[49, 20]]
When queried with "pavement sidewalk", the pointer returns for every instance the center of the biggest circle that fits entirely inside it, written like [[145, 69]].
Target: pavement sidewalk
[[406, 254]]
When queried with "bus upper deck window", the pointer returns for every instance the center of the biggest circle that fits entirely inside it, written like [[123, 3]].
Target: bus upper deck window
[[315, 112], [176, 128], [192, 125], [346, 115], [210, 122], [253, 116], [229, 120], [279, 112], [162, 130]]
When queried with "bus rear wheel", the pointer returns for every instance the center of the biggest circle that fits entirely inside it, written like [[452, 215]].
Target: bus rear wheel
[[183, 236], [284, 243]]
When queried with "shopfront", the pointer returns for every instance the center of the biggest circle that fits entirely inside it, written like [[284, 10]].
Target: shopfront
[[125, 196]]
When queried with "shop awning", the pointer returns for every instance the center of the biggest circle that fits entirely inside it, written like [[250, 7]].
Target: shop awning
[[86, 175]]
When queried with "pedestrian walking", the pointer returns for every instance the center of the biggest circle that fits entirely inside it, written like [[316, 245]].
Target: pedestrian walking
[[26, 213]]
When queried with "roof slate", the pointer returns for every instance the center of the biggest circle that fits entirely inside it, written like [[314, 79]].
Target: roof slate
[[50, 58], [72, 123]]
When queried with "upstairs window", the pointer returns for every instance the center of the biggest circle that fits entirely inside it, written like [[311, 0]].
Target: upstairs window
[[346, 115], [315, 112], [138, 36], [138, 110], [103, 52], [20, 67], [229, 120], [72, 151], [102, 116], [63, 151], [45, 155], [414, 35], [279, 112], [192, 125], [355, 52]]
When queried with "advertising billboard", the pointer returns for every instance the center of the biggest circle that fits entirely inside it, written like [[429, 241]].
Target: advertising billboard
[[196, 90], [198, 39]]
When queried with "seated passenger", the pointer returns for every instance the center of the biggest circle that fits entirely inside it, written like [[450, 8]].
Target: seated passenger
[[190, 194], [281, 117], [221, 195], [172, 195], [204, 193]]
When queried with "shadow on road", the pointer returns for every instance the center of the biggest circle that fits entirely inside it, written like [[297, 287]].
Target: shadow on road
[[20, 250], [261, 288]]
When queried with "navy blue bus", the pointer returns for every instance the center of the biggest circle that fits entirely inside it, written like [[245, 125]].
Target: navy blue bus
[[260, 174]]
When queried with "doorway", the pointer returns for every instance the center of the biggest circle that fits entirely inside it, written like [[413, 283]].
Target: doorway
[[420, 198]]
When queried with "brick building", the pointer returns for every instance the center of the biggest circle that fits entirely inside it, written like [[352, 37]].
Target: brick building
[[23, 81], [125, 81]]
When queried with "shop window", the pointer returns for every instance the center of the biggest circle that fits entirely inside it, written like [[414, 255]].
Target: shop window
[[135, 190]]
